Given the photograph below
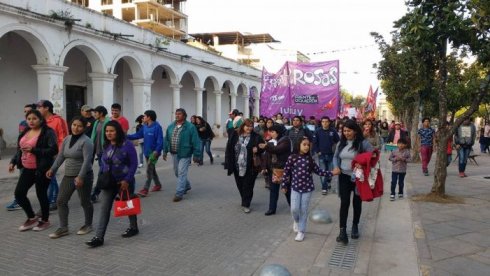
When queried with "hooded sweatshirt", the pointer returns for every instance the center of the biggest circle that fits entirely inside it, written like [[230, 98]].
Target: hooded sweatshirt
[[152, 138]]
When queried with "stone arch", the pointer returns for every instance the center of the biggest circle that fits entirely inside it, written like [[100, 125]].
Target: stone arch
[[211, 80], [133, 61], [243, 88], [170, 73], [164, 77], [194, 77], [39, 45], [91, 52]]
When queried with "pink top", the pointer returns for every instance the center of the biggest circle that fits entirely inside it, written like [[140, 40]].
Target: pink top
[[28, 158], [397, 137]]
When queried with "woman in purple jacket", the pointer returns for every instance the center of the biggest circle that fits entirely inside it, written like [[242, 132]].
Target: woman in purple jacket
[[120, 157]]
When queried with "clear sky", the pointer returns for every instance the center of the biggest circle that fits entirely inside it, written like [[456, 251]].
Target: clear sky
[[310, 26]]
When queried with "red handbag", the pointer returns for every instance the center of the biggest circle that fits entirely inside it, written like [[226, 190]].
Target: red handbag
[[127, 206]]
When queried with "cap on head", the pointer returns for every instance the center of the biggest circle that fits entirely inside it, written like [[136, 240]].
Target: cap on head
[[100, 109]]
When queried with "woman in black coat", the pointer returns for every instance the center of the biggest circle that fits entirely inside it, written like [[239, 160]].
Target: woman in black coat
[[277, 151], [240, 150], [36, 150]]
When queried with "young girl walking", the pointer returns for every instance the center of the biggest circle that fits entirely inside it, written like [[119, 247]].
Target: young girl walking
[[298, 176], [399, 159]]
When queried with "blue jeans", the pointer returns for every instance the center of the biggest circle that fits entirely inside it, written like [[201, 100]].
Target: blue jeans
[[400, 178], [181, 167], [53, 190], [106, 202], [206, 143], [325, 162], [463, 154], [299, 208]]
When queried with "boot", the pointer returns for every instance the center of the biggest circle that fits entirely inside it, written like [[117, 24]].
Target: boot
[[354, 234], [343, 236]]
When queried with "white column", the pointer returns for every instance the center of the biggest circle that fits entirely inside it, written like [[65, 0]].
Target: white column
[[141, 96], [50, 85], [246, 104], [233, 96], [199, 91], [102, 89], [175, 96], [257, 104], [217, 119]]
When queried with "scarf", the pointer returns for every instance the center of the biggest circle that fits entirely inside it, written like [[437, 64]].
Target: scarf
[[241, 154]]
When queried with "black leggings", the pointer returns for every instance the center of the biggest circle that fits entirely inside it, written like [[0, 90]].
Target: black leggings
[[346, 186], [29, 177], [245, 185]]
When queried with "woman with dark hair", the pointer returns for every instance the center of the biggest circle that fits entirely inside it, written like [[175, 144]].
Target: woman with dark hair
[[267, 131], [240, 149], [206, 135], [76, 152], [340, 126], [277, 151], [260, 127], [37, 147], [384, 131], [351, 144], [120, 158], [370, 134]]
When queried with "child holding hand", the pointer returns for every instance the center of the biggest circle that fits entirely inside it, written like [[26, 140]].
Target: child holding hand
[[298, 176], [399, 159]]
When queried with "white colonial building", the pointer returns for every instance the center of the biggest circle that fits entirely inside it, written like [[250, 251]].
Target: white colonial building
[[73, 55]]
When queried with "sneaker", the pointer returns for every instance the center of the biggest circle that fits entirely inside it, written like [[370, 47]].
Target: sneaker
[[143, 192], [426, 173], [29, 224], [246, 210], [400, 195], [187, 189], [300, 237], [177, 198], [324, 192], [140, 165], [392, 197], [295, 227], [156, 188], [94, 198], [95, 242], [42, 225], [130, 232], [60, 232], [211, 159], [13, 206], [53, 207], [85, 230]]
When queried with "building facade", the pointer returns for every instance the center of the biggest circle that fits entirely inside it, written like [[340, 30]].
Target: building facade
[[73, 55]]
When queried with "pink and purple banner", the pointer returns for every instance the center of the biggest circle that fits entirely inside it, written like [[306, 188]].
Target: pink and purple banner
[[305, 89]]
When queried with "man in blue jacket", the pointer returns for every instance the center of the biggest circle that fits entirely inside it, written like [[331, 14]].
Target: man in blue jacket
[[182, 141], [324, 141], [152, 135]]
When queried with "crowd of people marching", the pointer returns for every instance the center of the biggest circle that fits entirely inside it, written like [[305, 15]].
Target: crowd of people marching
[[286, 151]]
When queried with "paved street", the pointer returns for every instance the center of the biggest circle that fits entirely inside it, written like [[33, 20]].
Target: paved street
[[207, 233]]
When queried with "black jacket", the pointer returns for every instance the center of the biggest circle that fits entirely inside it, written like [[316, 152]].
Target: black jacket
[[281, 151], [45, 150], [230, 161], [403, 135]]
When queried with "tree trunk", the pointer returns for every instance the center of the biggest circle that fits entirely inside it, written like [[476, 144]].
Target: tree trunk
[[414, 127], [440, 170], [439, 186]]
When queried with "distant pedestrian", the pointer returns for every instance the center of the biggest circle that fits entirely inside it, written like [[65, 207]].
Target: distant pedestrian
[[397, 133], [86, 112], [241, 147], [464, 138], [152, 135], [140, 142], [183, 143], [76, 152], [206, 135], [370, 134], [120, 158], [399, 159], [427, 138], [298, 131], [35, 154], [98, 138], [116, 116], [324, 142], [298, 177]]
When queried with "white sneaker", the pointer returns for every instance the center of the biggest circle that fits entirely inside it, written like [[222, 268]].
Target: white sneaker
[[140, 165], [295, 227], [300, 237]]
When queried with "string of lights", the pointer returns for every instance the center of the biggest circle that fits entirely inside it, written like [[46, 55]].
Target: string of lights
[[341, 50]]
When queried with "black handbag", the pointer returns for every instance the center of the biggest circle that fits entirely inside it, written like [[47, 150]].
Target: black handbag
[[106, 180]]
